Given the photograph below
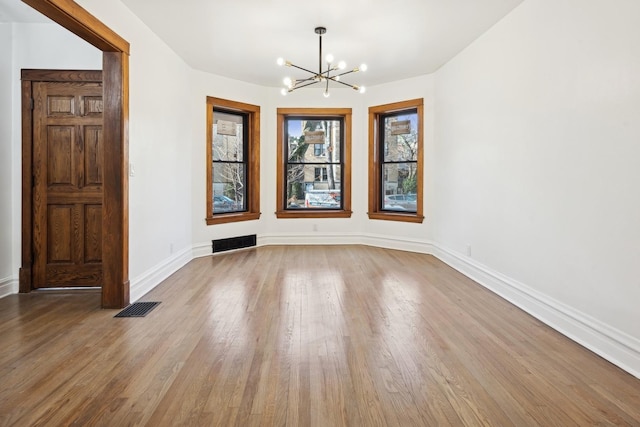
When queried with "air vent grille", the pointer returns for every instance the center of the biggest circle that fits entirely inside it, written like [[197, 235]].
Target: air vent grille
[[221, 245]]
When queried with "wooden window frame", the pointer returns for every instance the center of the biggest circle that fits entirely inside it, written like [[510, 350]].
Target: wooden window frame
[[252, 156], [345, 211], [375, 164]]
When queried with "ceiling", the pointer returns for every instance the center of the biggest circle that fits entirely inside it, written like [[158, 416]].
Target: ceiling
[[242, 39]]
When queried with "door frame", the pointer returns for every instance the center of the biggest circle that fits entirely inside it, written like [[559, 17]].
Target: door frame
[[115, 219]]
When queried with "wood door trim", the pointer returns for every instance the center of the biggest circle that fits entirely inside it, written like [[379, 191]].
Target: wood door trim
[[61, 75], [115, 224], [76, 19]]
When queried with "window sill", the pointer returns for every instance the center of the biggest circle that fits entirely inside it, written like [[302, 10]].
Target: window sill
[[232, 217], [313, 214], [394, 216]]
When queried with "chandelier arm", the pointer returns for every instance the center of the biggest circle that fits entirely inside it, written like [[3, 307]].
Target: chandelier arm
[[330, 69], [301, 86], [305, 80], [303, 69], [347, 72], [333, 79]]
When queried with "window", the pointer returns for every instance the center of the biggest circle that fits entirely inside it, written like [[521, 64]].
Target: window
[[321, 174], [395, 161], [314, 183], [233, 161]]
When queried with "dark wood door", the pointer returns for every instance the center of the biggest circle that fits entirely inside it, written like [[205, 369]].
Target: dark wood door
[[67, 180]]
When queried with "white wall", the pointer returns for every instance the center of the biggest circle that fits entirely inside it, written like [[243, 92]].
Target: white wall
[[8, 273], [537, 148], [161, 134]]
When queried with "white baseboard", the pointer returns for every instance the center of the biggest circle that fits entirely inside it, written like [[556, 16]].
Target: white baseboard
[[610, 343], [201, 249], [151, 278], [401, 244], [315, 238], [8, 286]]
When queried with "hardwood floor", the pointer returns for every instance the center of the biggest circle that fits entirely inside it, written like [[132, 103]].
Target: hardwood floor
[[302, 336]]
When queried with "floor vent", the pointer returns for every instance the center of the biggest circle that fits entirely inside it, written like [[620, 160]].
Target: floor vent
[[138, 309], [222, 245]]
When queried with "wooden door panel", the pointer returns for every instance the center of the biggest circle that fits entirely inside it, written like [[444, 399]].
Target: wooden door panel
[[61, 276], [59, 225], [61, 106], [92, 106], [68, 167], [93, 155], [60, 156], [92, 233]]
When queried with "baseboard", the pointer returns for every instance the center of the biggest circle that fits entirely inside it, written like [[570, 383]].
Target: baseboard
[[314, 238], [154, 276], [8, 286], [401, 244], [611, 344]]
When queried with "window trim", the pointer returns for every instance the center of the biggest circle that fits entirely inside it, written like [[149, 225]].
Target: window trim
[[281, 211], [375, 165], [252, 156]]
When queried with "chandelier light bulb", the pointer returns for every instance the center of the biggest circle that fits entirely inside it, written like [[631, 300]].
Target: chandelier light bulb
[[329, 58], [326, 93], [283, 91], [363, 67], [287, 81], [342, 65], [337, 78], [280, 61], [362, 89]]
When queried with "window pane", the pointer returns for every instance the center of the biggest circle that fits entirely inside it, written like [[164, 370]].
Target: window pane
[[311, 186], [399, 187], [324, 135], [228, 136], [401, 137], [229, 192]]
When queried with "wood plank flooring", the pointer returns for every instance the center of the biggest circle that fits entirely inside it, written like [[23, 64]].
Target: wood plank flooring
[[302, 336]]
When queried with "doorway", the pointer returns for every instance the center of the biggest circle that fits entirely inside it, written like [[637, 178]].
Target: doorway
[[115, 159]]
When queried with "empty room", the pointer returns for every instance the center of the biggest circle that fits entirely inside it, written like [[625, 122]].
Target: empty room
[[257, 213]]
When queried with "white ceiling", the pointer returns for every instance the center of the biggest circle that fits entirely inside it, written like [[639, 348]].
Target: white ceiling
[[242, 39]]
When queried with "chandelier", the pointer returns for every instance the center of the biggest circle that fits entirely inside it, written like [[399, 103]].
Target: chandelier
[[332, 73]]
